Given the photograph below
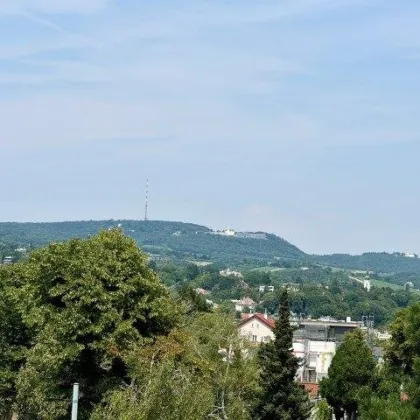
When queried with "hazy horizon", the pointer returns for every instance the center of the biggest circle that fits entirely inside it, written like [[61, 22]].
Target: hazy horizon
[[297, 117]]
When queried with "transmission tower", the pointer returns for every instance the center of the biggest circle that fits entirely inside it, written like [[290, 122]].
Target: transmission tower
[[147, 197]]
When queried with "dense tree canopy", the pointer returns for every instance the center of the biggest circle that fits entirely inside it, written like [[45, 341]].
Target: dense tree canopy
[[198, 371], [13, 342], [352, 369], [281, 397], [85, 302]]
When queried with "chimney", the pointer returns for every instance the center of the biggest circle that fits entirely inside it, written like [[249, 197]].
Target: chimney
[[265, 314], [348, 319]]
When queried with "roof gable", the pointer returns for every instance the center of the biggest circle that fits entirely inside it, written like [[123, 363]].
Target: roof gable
[[269, 322]]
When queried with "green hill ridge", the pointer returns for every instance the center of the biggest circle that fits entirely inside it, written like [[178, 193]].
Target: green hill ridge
[[167, 239]]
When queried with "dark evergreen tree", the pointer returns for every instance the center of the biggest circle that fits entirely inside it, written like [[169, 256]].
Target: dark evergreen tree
[[352, 370], [281, 397]]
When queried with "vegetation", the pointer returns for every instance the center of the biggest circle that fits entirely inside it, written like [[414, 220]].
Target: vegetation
[[165, 240], [352, 369], [92, 311], [313, 292], [391, 392], [323, 411], [180, 241], [95, 311], [379, 262], [84, 303], [197, 371], [281, 397]]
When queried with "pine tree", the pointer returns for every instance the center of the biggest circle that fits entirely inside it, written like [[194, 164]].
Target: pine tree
[[352, 369], [281, 397]]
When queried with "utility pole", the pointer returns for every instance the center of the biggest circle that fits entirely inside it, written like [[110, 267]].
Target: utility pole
[[75, 401]]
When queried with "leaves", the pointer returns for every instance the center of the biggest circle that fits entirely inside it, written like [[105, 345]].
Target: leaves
[[352, 368], [280, 396], [85, 302]]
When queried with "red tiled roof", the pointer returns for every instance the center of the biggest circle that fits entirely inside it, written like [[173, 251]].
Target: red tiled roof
[[269, 321], [311, 388]]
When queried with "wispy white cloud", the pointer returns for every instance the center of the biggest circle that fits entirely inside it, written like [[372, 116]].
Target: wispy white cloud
[[10, 7], [172, 80]]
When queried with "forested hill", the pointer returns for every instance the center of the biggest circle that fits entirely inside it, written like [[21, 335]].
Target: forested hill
[[380, 262], [161, 238], [190, 241]]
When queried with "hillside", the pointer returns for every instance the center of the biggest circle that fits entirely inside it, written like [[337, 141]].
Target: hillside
[[380, 262], [178, 240], [161, 238]]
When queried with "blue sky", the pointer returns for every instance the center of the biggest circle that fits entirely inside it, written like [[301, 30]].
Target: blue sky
[[298, 117]]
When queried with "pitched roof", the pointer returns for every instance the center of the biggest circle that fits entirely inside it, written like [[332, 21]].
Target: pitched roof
[[261, 317], [247, 301]]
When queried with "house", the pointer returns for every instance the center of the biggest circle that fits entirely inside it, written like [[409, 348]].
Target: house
[[382, 336], [7, 260], [257, 327], [245, 303], [201, 291], [314, 342], [228, 272], [264, 288], [291, 287]]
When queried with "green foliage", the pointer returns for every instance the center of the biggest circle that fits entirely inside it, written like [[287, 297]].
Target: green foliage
[[192, 301], [190, 374], [374, 408], [322, 292], [13, 343], [323, 411], [352, 368], [380, 262], [404, 347], [163, 239], [85, 302], [281, 397]]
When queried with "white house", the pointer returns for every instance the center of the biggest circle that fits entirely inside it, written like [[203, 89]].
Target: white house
[[228, 272], [316, 353], [264, 288], [245, 303], [257, 328]]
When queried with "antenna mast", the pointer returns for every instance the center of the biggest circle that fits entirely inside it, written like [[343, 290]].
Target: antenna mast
[[147, 196]]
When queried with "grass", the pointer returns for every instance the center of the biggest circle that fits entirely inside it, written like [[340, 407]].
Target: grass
[[268, 269], [383, 284]]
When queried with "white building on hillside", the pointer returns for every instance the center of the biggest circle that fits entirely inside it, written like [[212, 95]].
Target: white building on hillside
[[245, 303], [228, 272]]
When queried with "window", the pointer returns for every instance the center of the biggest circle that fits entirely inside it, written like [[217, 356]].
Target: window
[[312, 359], [254, 338]]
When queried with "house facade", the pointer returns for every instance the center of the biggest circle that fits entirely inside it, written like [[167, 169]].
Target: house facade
[[257, 328], [314, 342]]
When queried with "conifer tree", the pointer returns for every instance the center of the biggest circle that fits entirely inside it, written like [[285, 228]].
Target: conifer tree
[[281, 397]]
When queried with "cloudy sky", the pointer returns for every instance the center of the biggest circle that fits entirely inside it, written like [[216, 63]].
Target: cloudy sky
[[298, 117]]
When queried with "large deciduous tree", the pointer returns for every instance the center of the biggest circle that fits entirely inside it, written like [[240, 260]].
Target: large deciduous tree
[[199, 371], [352, 369], [13, 343], [85, 303], [281, 397]]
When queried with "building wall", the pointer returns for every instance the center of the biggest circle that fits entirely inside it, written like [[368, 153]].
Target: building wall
[[256, 331]]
